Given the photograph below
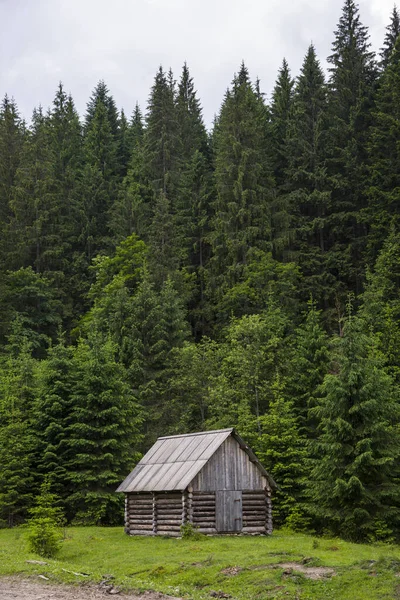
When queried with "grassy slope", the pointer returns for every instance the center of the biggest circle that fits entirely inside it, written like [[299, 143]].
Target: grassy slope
[[193, 568]]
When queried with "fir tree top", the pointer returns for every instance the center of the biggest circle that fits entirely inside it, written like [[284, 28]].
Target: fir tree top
[[392, 33]]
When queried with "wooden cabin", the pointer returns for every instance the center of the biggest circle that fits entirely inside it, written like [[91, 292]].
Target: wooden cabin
[[210, 479]]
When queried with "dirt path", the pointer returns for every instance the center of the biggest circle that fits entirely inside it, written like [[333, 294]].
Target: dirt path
[[27, 589]]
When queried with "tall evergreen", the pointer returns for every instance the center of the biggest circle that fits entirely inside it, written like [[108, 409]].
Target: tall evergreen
[[353, 484], [52, 411], [307, 189], [35, 210], [99, 181], [17, 440], [12, 133], [281, 107], [243, 182], [353, 72], [102, 437], [384, 158], [101, 95], [392, 33]]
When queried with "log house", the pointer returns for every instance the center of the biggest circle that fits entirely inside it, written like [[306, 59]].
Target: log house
[[211, 479]]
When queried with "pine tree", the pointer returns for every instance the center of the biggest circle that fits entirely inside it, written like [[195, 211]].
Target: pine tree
[[308, 366], [353, 485], [131, 211], [282, 450], [157, 326], [34, 205], [52, 416], [101, 95], [243, 185], [392, 33], [103, 433], [17, 440], [380, 303], [384, 158], [11, 142], [352, 76], [124, 147], [162, 155], [29, 300], [307, 186], [281, 107], [99, 181]]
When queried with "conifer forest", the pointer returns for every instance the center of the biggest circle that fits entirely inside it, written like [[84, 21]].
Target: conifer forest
[[159, 277]]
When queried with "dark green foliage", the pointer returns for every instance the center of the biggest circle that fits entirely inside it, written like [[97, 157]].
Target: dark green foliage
[[352, 76], [309, 365], [392, 33], [179, 263], [17, 439], [11, 141], [102, 435], [353, 482], [52, 416], [243, 185], [307, 187], [384, 183]]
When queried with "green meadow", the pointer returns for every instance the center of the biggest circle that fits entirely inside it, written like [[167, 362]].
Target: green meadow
[[240, 567]]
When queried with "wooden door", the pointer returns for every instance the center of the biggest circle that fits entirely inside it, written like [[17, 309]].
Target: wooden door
[[228, 511]]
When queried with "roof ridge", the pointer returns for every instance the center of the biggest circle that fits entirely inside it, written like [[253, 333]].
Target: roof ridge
[[181, 435]]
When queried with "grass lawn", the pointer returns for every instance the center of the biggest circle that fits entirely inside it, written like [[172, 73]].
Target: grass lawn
[[193, 569]]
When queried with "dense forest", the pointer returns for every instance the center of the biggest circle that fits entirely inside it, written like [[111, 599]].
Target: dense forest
[[160, 278]]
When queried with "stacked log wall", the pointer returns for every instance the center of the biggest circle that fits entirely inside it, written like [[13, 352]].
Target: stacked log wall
[[256, 507], [202, 511], [139, 514], [170, 513]]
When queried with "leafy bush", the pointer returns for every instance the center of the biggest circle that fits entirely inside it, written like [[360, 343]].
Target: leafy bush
[[44, 528], [189, 531]]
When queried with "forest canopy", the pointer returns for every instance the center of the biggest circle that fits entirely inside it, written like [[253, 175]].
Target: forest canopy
[[157, 277]]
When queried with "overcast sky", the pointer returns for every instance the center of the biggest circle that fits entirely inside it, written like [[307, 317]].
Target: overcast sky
[[124, 42]]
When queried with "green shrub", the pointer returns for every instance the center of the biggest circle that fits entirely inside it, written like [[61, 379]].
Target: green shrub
[[189, 531], [44, 528]]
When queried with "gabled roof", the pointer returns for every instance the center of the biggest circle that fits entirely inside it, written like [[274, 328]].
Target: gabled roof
[[174, 461]]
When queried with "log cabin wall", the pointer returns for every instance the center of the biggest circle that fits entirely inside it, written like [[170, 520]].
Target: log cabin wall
[[201, 511], [155, 513]]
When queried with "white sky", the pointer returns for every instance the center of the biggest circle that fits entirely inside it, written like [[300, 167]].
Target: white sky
[[125, 41]]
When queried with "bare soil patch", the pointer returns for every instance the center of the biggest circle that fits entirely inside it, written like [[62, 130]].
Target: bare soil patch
[[28, 589], [310, 572]]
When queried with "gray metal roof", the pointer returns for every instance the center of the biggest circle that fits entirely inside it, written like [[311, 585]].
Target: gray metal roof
[[174, 461]]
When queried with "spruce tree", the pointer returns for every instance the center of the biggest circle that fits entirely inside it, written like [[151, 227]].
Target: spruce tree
[[12, 132], [131, 211], [384, 158], [381, 305], [280, 116], [34, 203], [52, 416], [99, 181], [101, 95], [103, 433], [17, 439], [282, 450], [352, 76], [353, 484], [392, 33], [241, 218], [307, 188], [308, 366]]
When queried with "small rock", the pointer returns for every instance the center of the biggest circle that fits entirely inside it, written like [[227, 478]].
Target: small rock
[[36, 562], [43, 577], [113, 591]]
